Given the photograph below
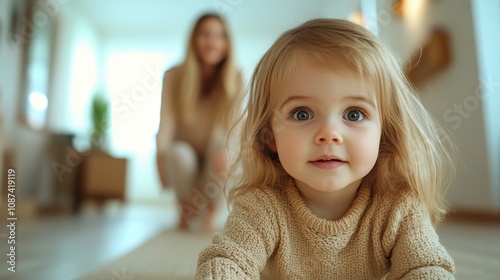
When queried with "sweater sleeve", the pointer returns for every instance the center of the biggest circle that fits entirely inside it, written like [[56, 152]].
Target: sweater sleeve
[[417, 252], [246, 242]]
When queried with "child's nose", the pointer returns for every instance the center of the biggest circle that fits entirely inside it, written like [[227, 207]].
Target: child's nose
[[329, 132]]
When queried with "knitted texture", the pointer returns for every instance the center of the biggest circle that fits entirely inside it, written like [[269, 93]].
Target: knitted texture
[[271, 234]]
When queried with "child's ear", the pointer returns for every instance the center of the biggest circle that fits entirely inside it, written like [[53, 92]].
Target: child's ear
[[272, 145], [268, 137]]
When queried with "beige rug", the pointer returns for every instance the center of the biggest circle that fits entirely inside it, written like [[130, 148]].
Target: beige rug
[[170, 255]]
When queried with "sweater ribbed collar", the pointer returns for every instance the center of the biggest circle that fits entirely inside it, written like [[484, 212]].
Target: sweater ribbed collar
[[327, 227]]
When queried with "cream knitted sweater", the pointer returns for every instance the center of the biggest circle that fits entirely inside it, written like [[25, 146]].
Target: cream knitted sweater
[[271, 234]]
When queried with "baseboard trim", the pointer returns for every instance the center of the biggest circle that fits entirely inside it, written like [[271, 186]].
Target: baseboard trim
[[473, 216]]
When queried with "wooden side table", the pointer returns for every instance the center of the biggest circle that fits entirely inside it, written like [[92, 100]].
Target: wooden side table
[[103, 177]]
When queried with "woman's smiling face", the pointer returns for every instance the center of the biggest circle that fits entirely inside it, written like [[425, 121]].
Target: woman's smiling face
[[211, 41]]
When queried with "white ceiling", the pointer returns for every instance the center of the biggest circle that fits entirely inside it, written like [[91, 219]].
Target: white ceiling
[[135, 16]]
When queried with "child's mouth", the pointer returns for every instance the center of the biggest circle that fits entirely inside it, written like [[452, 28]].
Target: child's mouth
[[328, 163]]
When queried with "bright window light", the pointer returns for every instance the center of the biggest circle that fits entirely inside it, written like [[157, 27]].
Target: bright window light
[[38, 101], [134, 82]]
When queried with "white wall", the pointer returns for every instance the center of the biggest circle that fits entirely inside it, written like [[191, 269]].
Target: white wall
[[486, 15], [76, 72], [450, 95]]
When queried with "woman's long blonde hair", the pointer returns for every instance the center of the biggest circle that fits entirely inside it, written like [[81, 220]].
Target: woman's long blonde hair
[[414, 149], [188, 87]]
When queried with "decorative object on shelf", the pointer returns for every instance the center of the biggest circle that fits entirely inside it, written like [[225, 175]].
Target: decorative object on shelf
[[434, 56], [397, 7]]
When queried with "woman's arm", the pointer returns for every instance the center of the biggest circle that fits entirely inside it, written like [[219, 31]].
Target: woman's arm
[[167, 127], [417, 252], [248, 239]]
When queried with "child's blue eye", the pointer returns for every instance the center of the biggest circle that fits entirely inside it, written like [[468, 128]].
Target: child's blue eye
[[354, 115], [302, 115]]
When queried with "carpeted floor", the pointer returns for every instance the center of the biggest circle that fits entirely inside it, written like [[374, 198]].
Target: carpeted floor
[[171, 255]]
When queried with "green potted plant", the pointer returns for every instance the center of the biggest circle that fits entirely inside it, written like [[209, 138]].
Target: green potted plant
[[100, 121]]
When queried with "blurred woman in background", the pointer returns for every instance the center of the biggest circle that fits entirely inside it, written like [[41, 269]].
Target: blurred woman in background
[[196, 95]]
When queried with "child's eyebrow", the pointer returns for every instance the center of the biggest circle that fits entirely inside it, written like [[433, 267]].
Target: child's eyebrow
[[293, 98], [363, 99]]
